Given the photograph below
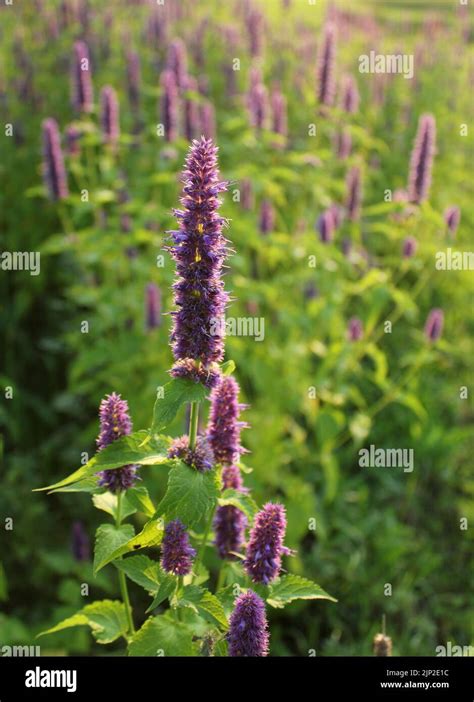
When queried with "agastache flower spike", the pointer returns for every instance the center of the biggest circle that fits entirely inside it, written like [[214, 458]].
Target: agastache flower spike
[[133, 80], [177, 62], [114, 423], [176, 552], [452, 217], [326, 226], [109, 116], [153, 300], [223, 431], [199, 251], [267, 217], [82, 94], [350, 95], [326, 66], [353, 184], [343, 144], [230, 522], [248, 630], [169, 105], [434, 324], [200, 457], [355, 329], [54, 172], [410, 246], [265, 546], [208, 120], [279, 116], [421, 162]]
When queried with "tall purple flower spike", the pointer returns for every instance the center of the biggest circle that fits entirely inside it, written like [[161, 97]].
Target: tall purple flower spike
[[349, 95], [279, 113], [257, 101], [153, 305], [265, 546], [354, 194], [115, 422], [267, 217], [169, 105], [54, 172], [410, 245], [355, 329], [177, 554], [326, 59], [421, 162], [326, 226], [177, 62], [343, 144], [133, 79], [81, 82], [248, 631], [230, 522], [434, 324], [199, 251], [223, 431], [109, 115], [207, 116], [452, 217]]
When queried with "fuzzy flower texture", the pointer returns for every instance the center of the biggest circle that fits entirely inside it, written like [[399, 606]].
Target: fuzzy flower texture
[[248, 630], [177, 554], [114, 423], [199, 251], [265, 547]]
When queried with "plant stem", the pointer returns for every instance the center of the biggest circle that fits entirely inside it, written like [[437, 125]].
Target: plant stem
[[122, 579], [193, 424], [205, 537], [221, 578]]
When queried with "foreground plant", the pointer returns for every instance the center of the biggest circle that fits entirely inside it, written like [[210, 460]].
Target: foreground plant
[[205, 491]]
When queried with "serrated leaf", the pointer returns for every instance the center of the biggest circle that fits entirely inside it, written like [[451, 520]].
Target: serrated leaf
[[150, 535], [142, 571], [108, 539], [161, 636], [190, 495], [166, 589], [176, 392], [107, 620], [131, 449], [205, 603], [107, 502], [140, 499], [293, 587], [241, 500]]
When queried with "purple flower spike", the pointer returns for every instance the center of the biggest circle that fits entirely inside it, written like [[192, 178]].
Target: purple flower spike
[[82, 93], [355, 329], [153, 306], [191, 110], [326, 59], [248, 632], [224, 427], [265, 546], [255, 27], [54, 172], [354, 195], [421, 162], [177, 62], [176, 551], [200, 458], [343, 144], [350, 95], [246, 199], [267, 217], [114, 423], [326, 226], [80, 542], [208, 120], [452, 217], [199, 250], [258, 106], [169, 105], [73, 137], [434, 324], [109, 115], [133, 80], [229, 527], [279, 116], [410, 246]]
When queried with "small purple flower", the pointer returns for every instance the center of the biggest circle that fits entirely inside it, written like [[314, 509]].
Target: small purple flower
[[199, 251], [350, 95], [246, 194], [410, 246], [434, 324], [54, 172], [177, 62], [325, 226], [343, 144], [133, 79], [265, 546], [169, 105], [421, 162], [80, 542], [208, 120], [223, 431], [82, 93], [326, 60], [248, 632], [258, 106], [354, 194], [355, 329], [109, 115], [279, 116], [200, 458], [177, 554], [189, 369], [267, 217], [115, 422], [452, 217], [153, 306], [254, 21]]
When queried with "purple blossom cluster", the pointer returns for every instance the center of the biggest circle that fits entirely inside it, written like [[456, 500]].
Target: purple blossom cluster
[[115, 422], [200, 457], [177, 554], [54, 172], [421, 163], [248, 628], [224, 427], [265, 547]]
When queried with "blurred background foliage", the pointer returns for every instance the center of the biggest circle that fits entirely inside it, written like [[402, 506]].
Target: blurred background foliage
[[314, 397]]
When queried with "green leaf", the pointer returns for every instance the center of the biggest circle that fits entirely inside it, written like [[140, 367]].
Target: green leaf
[[140, 499], [107, 502], [150, 535], [108, 539], [107, 620], [142, 571], [166, 589], [85, 485], [205, 603], [126, 450], [190, 495], [293, 587], [176, 392], [161, 636], [228, 368], [241, 500]]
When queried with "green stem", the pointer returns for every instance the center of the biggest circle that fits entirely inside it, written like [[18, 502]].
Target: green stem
[[205, 538], [221, 578], [193, 424], [122, 579]]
